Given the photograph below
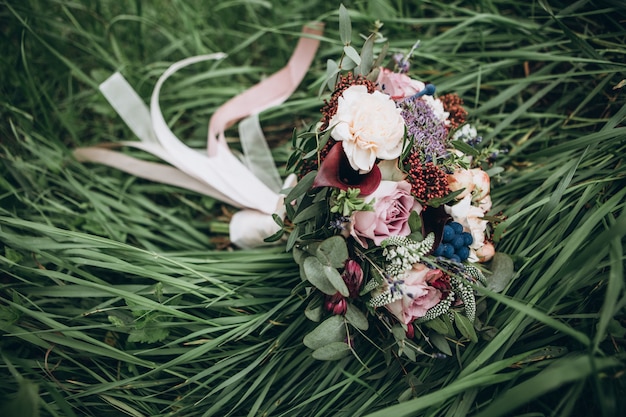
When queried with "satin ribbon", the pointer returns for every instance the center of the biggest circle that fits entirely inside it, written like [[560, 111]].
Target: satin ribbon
[[252, 185]]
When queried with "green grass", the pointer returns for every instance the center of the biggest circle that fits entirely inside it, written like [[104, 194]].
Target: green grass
[[117, 297]]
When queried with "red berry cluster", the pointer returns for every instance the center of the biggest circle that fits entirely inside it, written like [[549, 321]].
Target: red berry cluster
[[453, 104], [311, 164], [427, 180]]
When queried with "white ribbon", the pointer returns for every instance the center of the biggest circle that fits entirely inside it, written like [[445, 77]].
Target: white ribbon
[[252, 185]]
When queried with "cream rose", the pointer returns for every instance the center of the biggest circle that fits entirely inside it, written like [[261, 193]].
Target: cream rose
[[369, 126]]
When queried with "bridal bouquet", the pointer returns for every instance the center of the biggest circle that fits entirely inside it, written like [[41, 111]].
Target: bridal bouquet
[[389, 220]]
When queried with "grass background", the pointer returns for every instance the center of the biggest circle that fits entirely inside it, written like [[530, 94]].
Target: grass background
[[117, 296]]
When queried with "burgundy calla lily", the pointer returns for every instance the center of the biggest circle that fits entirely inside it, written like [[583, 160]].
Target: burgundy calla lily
[[433, 220], [335, 171]]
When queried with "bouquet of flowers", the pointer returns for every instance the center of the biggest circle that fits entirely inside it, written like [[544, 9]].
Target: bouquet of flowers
[[389, 218]]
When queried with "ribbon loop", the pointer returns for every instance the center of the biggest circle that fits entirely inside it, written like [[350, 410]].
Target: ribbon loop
[[252, 185]]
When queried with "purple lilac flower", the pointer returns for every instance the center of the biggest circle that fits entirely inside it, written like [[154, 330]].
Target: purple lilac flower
[[428, 133]]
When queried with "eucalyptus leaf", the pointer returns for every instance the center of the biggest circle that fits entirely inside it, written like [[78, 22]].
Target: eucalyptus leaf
[[352, 54], [409, 352], [332, 69], [299, 255], [367, 56], [332, 351], [399, 332], [502, 272], [315, 273], [314, 310], [336, 280], [333, 251], [345, 25], [356, 318], [348, 63], [331, 330]]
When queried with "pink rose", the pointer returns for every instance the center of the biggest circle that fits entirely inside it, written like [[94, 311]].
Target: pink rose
[[417, 295], [393, 204], [398, 86], [401, 86]]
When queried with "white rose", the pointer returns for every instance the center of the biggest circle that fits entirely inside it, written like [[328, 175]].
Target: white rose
[[471, 218], [369, 126]]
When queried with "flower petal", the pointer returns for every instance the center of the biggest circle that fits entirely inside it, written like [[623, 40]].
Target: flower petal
[[335, 171]]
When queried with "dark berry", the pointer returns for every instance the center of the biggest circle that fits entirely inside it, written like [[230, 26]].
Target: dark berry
[[448, 233], [448, 250], [458, 228], [468, 238], [463, 253], [458, 242]]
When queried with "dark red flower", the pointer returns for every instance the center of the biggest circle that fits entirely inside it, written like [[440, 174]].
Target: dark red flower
[[336, 304], [410, 331], [336, 171], [353, 277]]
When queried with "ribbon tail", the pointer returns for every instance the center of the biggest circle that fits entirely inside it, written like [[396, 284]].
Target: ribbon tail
[[270, 92], [257, 155], [152, 171]]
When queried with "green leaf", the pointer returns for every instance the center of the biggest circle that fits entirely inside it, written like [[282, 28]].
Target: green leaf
[[316, 274], [438, 325], [436, 202], [409, 352], [367, 56], [13, 256], [352, 54], [333, 329], [356, 318], [333, 252], [440, 342], [335, 278], [25, 403], [502, 272], [415, 223], [313, 310], [310, 212], [465, 326], [399, 332], [301, 187], [332, 351], [345, 25], [148, 334], [332, 69], [465, 148]]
